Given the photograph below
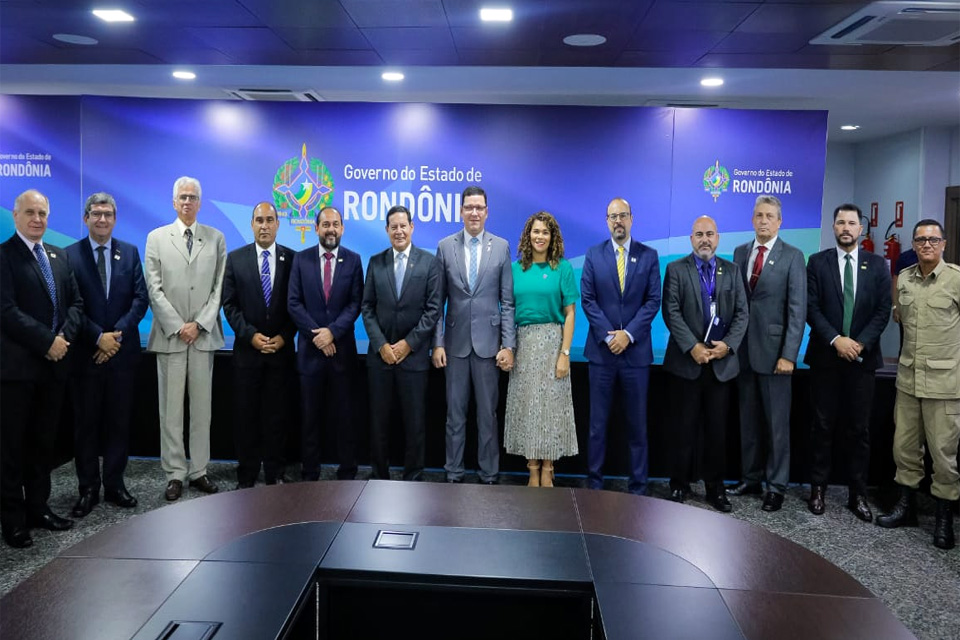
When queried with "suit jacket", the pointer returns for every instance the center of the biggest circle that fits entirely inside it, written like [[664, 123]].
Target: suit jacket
[[26, 311], [871, 308], [310, 311], [122, 312], [247, 311], [411, 317], [683, 314], [482, 319], [609, 309], [185, 287], [778, 306]]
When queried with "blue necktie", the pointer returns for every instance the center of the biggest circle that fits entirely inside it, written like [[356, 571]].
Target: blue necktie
[[400, 270], [48, 276], [265, 277], [474, 263], [102, 268]]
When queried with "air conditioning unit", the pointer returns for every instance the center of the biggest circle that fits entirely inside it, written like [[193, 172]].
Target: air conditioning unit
[[925, 24], [275, 95]]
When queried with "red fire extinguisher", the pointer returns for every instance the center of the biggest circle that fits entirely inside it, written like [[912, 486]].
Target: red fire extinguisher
[[867, 244], [891, 248]]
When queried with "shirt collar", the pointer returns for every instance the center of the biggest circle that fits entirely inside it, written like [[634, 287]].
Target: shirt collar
[[467, 236], [699, 262], [768, 244], [855, 254], [405, 252], [323, 250], [626, 244], [29, 243], [272, 249], [94, 244], [183, 228]]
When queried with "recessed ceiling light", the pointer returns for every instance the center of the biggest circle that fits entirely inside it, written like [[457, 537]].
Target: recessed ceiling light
[[113, 15], [584, 40], [392, 76], [850, 127], [70, 38], [711, 82], [184, 75], [491, 14]]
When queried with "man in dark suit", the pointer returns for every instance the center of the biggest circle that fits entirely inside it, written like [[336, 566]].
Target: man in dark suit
[[255, 286], [41, 314], [620, 289], [774, 277], [110, 277], [848, 307], [476, 333], [401, 305], [705, 309], [326, 288]]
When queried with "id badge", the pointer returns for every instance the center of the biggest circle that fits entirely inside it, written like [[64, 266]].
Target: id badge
[[713, 309]]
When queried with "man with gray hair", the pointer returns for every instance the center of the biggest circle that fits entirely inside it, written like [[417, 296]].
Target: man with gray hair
[[776, 281], [110, 277], [184, 272]]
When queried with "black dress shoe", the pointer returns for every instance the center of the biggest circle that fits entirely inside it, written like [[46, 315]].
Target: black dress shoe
[[772, 501], [717, 498], [85, 504], [858, 504], [246, 485], [18, 537], [679, 494], [745, 489], [816, 503], [174, 490], [119, 497], [49, 521], [281, 479], [203, 484]]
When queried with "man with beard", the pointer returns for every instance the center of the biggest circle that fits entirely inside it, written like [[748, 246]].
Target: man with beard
[[848, 306], [705, 309], [326, 288], [620, 289], [928, 383]]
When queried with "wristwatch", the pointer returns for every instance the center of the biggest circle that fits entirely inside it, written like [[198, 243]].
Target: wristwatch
[[565, 352]]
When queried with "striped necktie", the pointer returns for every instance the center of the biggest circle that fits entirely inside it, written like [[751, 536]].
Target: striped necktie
[[621, 266]]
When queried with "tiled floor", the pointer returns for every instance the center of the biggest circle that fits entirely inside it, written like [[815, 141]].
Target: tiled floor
[[920, 583]]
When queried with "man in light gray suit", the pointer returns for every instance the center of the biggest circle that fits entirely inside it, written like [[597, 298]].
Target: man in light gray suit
[[705, 309], [476, 333], [775, 278], [185, 262]]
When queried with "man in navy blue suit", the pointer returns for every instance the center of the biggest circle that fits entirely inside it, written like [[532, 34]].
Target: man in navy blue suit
[[620, 289], [110, 277], [326, 288], [848, 307]]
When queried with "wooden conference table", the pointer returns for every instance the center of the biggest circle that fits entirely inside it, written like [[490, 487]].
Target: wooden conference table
[[299, 560]]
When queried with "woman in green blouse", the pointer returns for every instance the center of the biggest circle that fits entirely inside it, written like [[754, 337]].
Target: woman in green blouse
[[539, 419]]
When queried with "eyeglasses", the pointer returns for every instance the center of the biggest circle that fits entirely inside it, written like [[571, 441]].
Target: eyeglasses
[[101, 214], [922, 241], [617, 217], [188, 197], [474, 208]]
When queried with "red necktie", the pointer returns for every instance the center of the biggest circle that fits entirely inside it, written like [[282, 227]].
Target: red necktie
[[757, 267], [327, 275]]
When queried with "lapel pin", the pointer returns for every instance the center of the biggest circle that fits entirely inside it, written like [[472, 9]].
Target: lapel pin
[[863, 267], [771, 262], [53, 255], [339, 260], [116, 256], [282, 258], [633, 259]]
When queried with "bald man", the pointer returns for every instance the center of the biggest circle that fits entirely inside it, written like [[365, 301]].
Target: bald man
[[705, 309], [620, 289], [42, 314]]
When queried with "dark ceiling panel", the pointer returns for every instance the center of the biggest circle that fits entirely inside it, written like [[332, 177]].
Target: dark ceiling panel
[[498, 57], [658, 58], [242, 42], [809, 20], [497, 37], [390, 13], [696, 42], [761, 43], [698, 16], [303, 14], [95, 55], [466, 13], [572, 58], [772, 61], [339, 59], [844, 50], [191, 13], [309, 39], [188, 56], [950, 65], [18, 48], [410, 38], [420, 57]]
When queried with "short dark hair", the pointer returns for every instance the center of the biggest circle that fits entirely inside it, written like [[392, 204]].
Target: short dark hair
[[100, 197], [399, 209], [473, 190], [320, 213], [927, 222], [847, 207]]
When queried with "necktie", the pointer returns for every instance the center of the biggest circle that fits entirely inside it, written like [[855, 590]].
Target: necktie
[[474, 262], [705, 274], [48, 277], [189, 234], [401, 269], [757, 267], [265, 277], [102, 268], [848, 294], [621, 267], [327, 275]]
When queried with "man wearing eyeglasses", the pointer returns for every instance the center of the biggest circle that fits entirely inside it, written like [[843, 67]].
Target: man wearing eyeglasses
[[620, 289], [185, 263], [476, 333], [928, 383]]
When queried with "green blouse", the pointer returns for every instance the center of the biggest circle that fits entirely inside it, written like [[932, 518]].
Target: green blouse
[[540, 293]]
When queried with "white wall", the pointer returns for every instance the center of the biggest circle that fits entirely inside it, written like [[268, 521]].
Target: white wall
[[955, 157], [838, 187]]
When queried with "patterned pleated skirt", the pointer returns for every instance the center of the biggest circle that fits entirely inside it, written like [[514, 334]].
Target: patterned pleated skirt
[[539, 419]]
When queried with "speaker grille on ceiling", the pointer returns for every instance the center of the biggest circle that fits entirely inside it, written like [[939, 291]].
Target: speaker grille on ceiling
[[927, 24]]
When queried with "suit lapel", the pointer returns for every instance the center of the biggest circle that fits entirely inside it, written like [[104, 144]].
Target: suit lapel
[[486, 249], [116, 260], [281, 271], [458, 258], [412, 263], [835, 281], [178, 242], [611, 264], [771, 259], [198, 241], [390, 270], [862, 276], [694, 278], [252, 259]]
